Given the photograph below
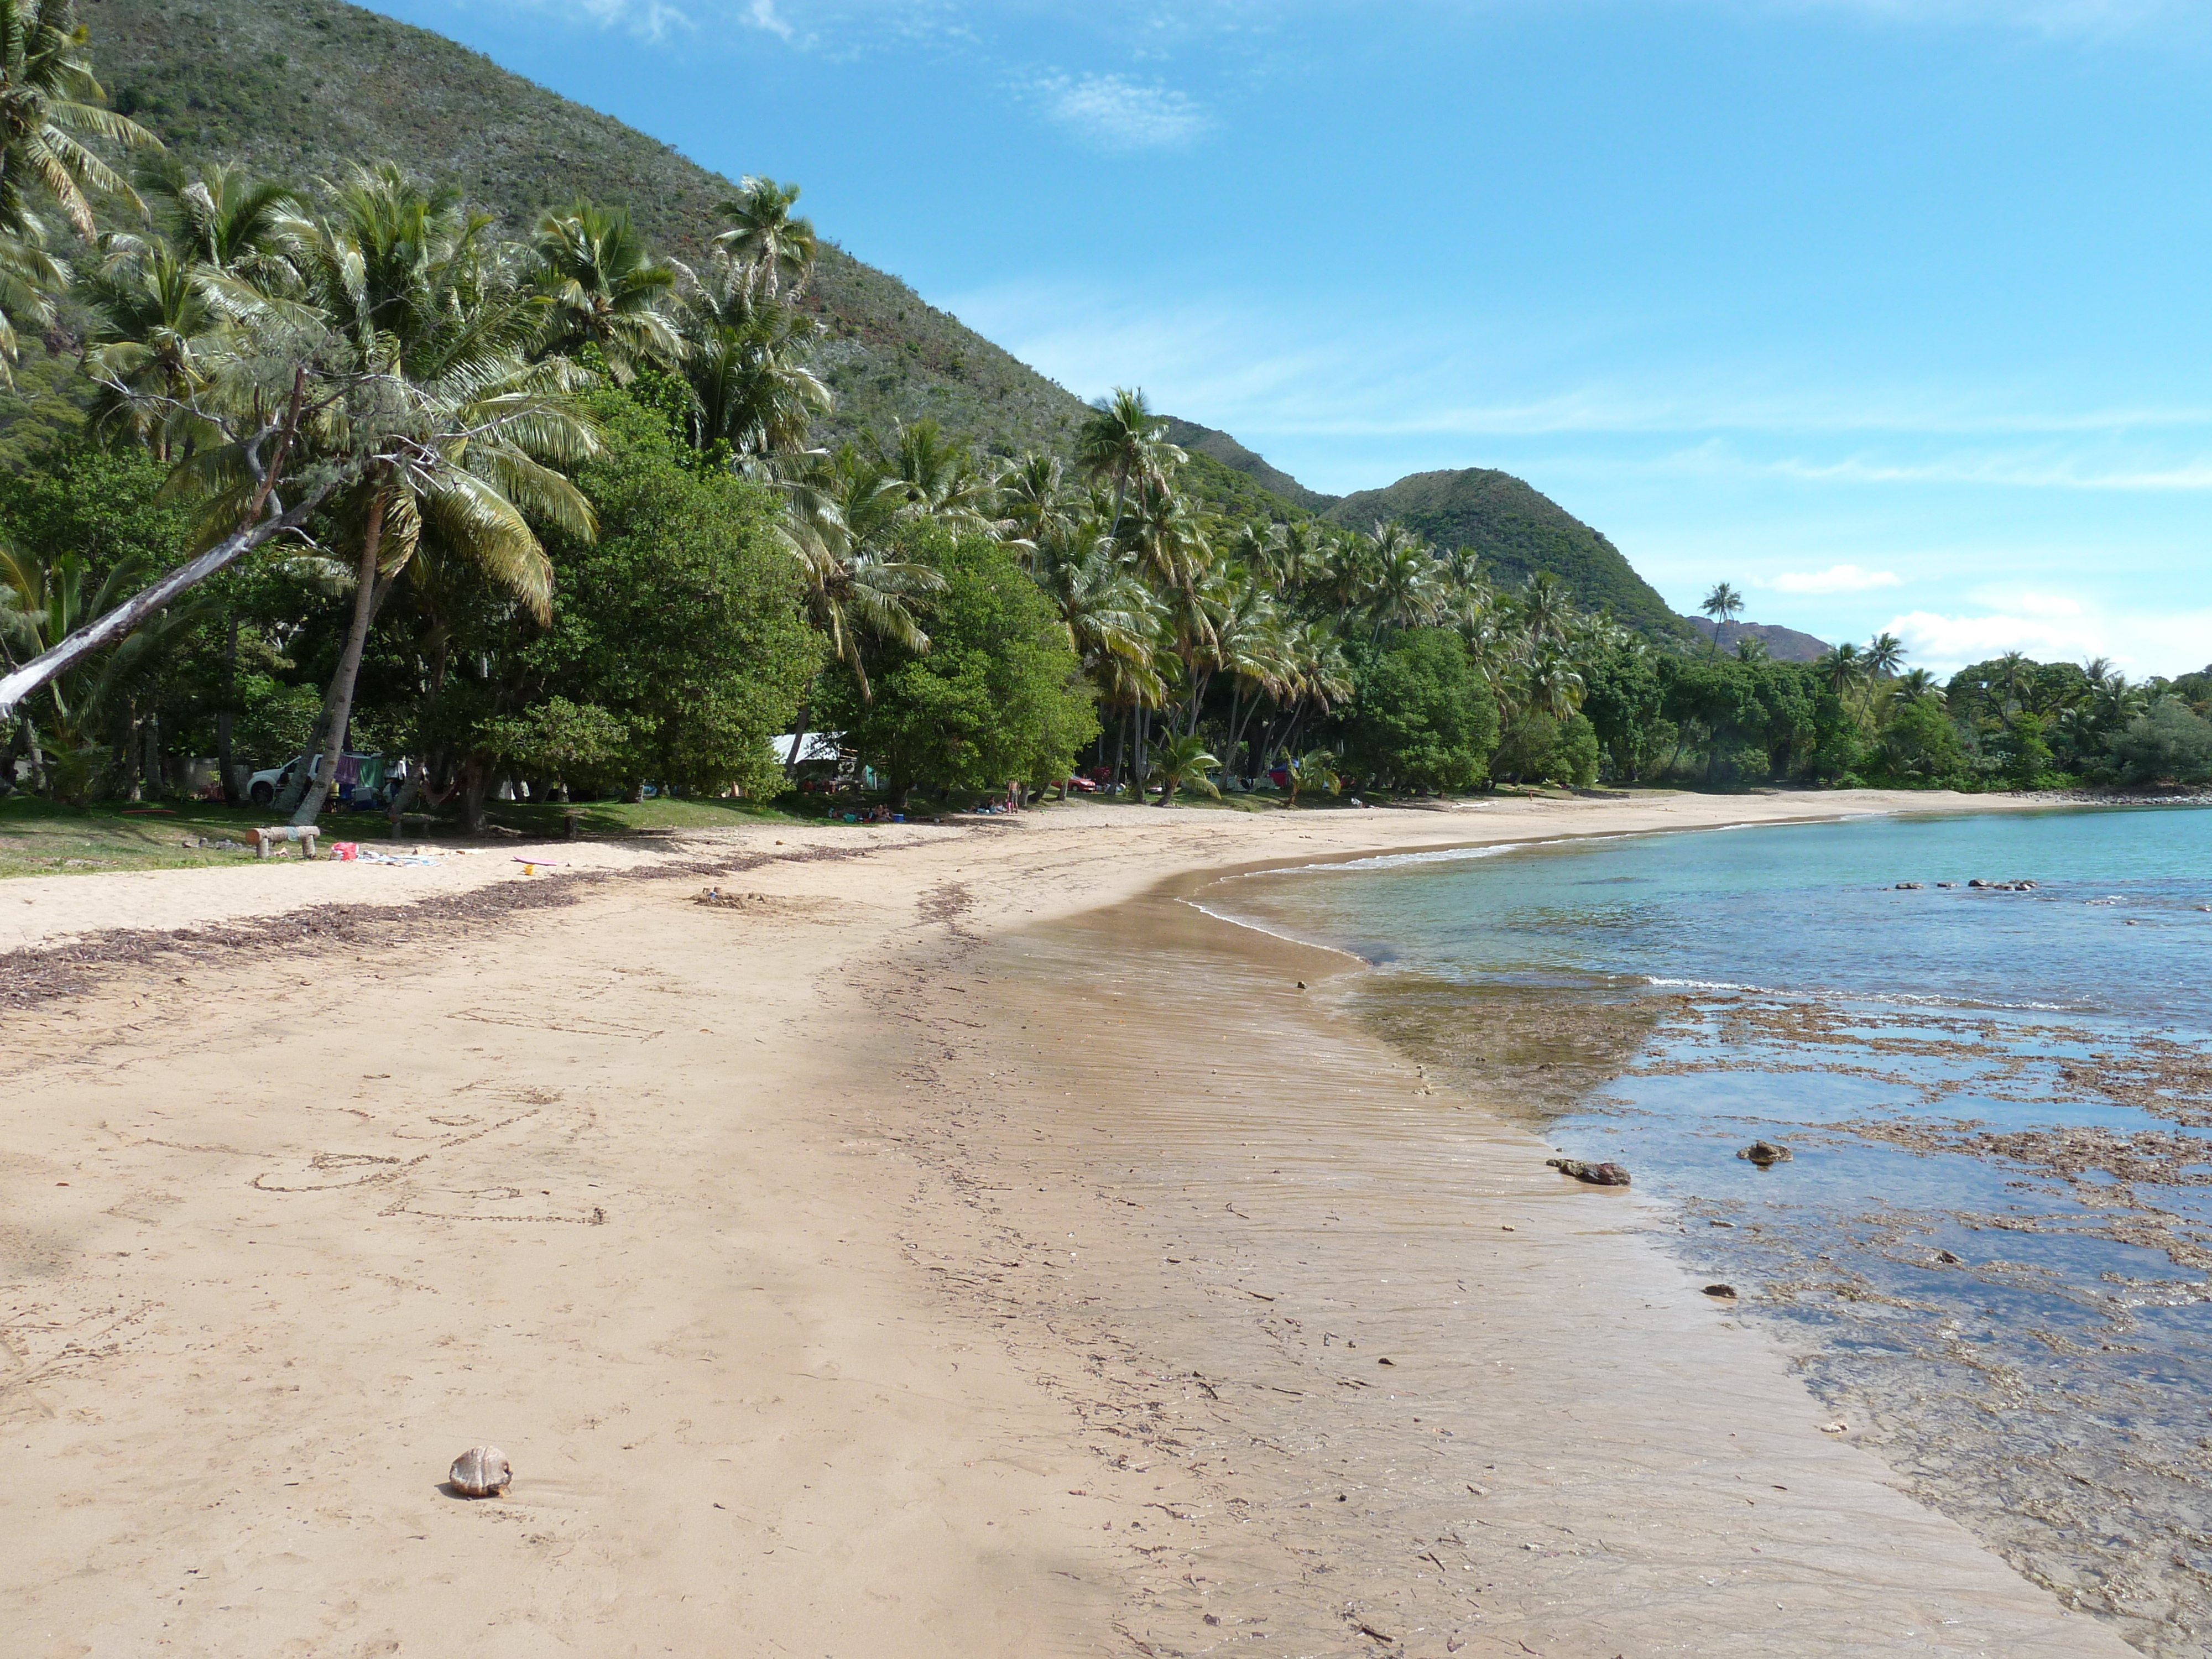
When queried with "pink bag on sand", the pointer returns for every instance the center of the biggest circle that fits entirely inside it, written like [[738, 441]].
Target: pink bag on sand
[[345, 851]]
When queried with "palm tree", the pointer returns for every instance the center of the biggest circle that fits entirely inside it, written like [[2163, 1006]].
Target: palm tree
[[151, 327], [1252, 649], [467, 423], [1915, 684], [1723, 604], [1841, 667], [1885, 655], [936, 477], [1315, 769], [1551, 685], [227, 221], [857, 588], [1035, 500], [1183, 759], [603, 288], [748, 365], [43, 601], [49, 97], [1316, 678], [1110, 614], [763, 232], [1406, 589], [2014, 677], [49, 102], [1123, 443], [1547, 608]]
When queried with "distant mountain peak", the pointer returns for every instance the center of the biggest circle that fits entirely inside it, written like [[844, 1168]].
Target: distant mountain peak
[[1211, 441], [1783, 644]]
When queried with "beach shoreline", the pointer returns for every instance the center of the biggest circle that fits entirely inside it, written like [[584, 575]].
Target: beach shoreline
[[695, 1210]]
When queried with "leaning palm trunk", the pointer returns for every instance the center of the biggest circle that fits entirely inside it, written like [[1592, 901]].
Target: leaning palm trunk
[[337, 707]]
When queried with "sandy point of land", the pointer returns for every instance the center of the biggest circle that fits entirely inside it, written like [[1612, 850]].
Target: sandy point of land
[[681, 1205]]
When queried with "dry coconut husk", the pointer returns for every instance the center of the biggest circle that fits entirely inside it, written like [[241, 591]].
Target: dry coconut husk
[[482, 1472]]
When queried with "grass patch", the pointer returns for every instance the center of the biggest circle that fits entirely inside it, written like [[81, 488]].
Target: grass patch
[[44, 838]]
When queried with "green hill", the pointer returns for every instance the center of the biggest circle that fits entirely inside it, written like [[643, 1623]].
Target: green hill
[[303, 88], [1518, 533]]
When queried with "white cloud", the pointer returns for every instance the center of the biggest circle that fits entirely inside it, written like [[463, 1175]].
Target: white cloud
[[2051, 628], [1115, 113], [1836, 578]]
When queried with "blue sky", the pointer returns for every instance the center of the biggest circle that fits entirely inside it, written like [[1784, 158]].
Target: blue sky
[[1891, 312]]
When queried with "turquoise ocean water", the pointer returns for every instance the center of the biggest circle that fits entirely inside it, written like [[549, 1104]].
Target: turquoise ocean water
[[1992, 1248]]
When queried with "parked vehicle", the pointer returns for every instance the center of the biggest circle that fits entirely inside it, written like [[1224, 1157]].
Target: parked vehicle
[[360, 779]]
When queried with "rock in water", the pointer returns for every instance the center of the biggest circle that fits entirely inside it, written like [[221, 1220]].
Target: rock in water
[[1767, 1153], [1598, 1174], [482, 1472]]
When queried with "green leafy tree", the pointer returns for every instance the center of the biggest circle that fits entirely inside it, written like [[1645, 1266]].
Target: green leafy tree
[[1000, 695], [1422, 717], [2169, 744], [1918, 742], [674, 649]]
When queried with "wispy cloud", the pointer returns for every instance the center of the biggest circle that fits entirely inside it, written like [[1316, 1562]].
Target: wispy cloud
[[1115, 113], [649, 19], [2004, 472], [1836, 578], [763, 15], [2069, 19]]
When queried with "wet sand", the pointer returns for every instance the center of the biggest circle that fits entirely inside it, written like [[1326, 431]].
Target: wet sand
[[915, 1259]]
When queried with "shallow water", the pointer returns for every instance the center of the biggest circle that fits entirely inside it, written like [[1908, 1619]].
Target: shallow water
[[1991, 1246]]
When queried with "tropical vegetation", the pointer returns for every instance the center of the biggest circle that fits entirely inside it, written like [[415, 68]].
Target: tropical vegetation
[[545, 512]]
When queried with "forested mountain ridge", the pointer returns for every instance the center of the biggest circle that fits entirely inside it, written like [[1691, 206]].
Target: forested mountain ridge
[[1518, 531]]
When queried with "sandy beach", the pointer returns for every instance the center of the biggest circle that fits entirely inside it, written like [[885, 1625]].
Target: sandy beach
[[950, 1242]]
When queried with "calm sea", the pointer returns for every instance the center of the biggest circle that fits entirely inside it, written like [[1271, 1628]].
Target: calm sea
[[1992, 1245]]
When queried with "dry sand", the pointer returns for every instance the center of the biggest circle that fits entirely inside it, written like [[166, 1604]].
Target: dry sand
[[744, 1230]]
